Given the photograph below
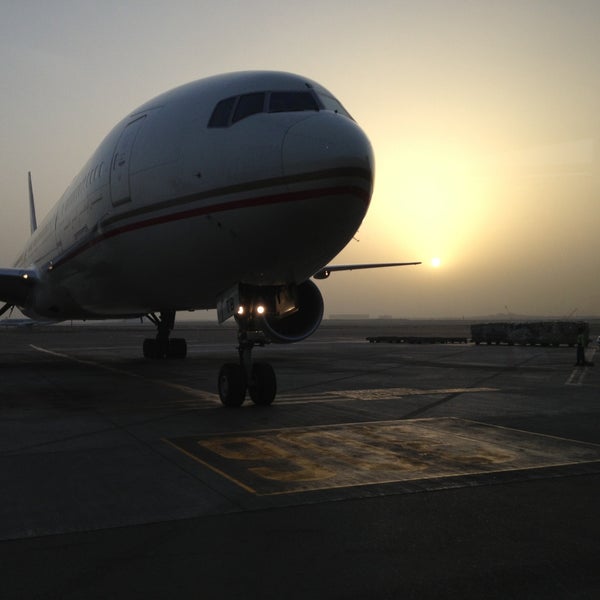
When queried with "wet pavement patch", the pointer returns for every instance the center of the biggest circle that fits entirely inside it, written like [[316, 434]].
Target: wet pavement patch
[[292, 460]]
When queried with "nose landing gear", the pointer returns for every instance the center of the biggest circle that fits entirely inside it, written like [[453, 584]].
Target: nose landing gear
[[256, 378], [235, 379]]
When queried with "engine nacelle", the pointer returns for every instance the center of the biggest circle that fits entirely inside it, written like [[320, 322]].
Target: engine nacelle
[[300, 323]]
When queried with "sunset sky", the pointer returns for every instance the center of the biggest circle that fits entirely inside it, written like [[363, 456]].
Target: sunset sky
[[484, 117]]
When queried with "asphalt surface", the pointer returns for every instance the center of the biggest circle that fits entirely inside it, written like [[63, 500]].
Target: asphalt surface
[[381, 471]]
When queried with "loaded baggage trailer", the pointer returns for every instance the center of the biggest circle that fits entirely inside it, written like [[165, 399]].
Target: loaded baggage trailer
[[530, 333], [416, 339]]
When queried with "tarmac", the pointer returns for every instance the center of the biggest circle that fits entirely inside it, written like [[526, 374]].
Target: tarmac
[[381, 470]]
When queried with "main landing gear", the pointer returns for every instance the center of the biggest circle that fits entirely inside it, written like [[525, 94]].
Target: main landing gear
[[163, 346], [257, 378]]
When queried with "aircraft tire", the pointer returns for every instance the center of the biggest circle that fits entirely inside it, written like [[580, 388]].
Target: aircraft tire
[[232, 385], [151, 348], [177, 348], [263, 386]]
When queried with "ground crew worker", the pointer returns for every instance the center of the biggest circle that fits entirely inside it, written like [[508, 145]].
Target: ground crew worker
[[581, 348]]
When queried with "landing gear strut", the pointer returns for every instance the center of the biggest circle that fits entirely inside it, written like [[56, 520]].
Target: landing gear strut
[[258, 378], [163, 346]]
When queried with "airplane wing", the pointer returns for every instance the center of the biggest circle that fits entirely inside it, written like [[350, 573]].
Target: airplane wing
[[325, 272], [15, 286]]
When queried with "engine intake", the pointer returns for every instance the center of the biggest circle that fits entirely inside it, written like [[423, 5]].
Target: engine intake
[[300, 323]]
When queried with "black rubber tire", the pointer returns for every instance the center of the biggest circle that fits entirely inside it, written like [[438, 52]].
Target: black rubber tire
[[177, 348], [151, 348], [263, 385], [232, 385]]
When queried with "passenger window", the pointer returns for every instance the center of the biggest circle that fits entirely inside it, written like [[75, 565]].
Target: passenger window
[[292, 101], [249, 104], [222, 113]]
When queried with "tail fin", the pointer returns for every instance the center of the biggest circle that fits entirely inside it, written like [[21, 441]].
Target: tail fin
[[32, 218]]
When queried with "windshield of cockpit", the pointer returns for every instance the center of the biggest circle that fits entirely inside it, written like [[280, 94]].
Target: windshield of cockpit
[[235, 108]]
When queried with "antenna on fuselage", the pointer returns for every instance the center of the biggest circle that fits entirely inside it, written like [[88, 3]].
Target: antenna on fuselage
[[32, 219]]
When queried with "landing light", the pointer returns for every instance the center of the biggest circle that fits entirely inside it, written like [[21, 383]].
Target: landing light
[[260, 309], [240, 311]]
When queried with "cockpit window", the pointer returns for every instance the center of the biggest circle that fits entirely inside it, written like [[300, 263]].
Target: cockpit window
[[249, 104], [222, 113], [331, 103], [231, 110], [292, 102]]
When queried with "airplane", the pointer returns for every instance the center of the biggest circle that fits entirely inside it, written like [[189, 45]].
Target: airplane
[[229, 192]]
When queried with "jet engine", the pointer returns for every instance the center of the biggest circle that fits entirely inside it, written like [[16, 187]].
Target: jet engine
[[294, 325]]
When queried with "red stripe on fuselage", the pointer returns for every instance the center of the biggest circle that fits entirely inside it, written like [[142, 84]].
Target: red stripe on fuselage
[[214, 208]]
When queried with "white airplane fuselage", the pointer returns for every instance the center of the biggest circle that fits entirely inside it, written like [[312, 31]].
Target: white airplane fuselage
[[180, 202]]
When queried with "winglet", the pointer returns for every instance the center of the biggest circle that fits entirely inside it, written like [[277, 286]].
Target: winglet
[[32, 218]]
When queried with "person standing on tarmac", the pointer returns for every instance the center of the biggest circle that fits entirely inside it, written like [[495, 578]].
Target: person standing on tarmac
[[581, 340]]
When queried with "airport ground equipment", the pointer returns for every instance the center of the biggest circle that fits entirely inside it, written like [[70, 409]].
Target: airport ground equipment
[[529, 333], [416, 339]]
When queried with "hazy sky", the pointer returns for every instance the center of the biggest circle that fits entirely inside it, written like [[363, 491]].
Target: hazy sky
[[484, 117]]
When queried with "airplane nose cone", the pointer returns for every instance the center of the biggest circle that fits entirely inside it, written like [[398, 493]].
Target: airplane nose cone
[[328, 169], [332, 145]]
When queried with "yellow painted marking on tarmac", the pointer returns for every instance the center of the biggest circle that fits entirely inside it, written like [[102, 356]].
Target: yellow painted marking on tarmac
[[292, 460], [91, 363], [209, 465], [286, 465]]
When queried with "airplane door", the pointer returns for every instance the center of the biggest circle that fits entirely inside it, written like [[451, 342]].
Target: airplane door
[[119, 172]]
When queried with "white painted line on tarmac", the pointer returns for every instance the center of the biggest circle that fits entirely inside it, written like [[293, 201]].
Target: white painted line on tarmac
[[202, 395], [578, 374], [374, 394]]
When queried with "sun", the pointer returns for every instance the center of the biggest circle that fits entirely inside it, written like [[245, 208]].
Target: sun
[[436, 262]]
